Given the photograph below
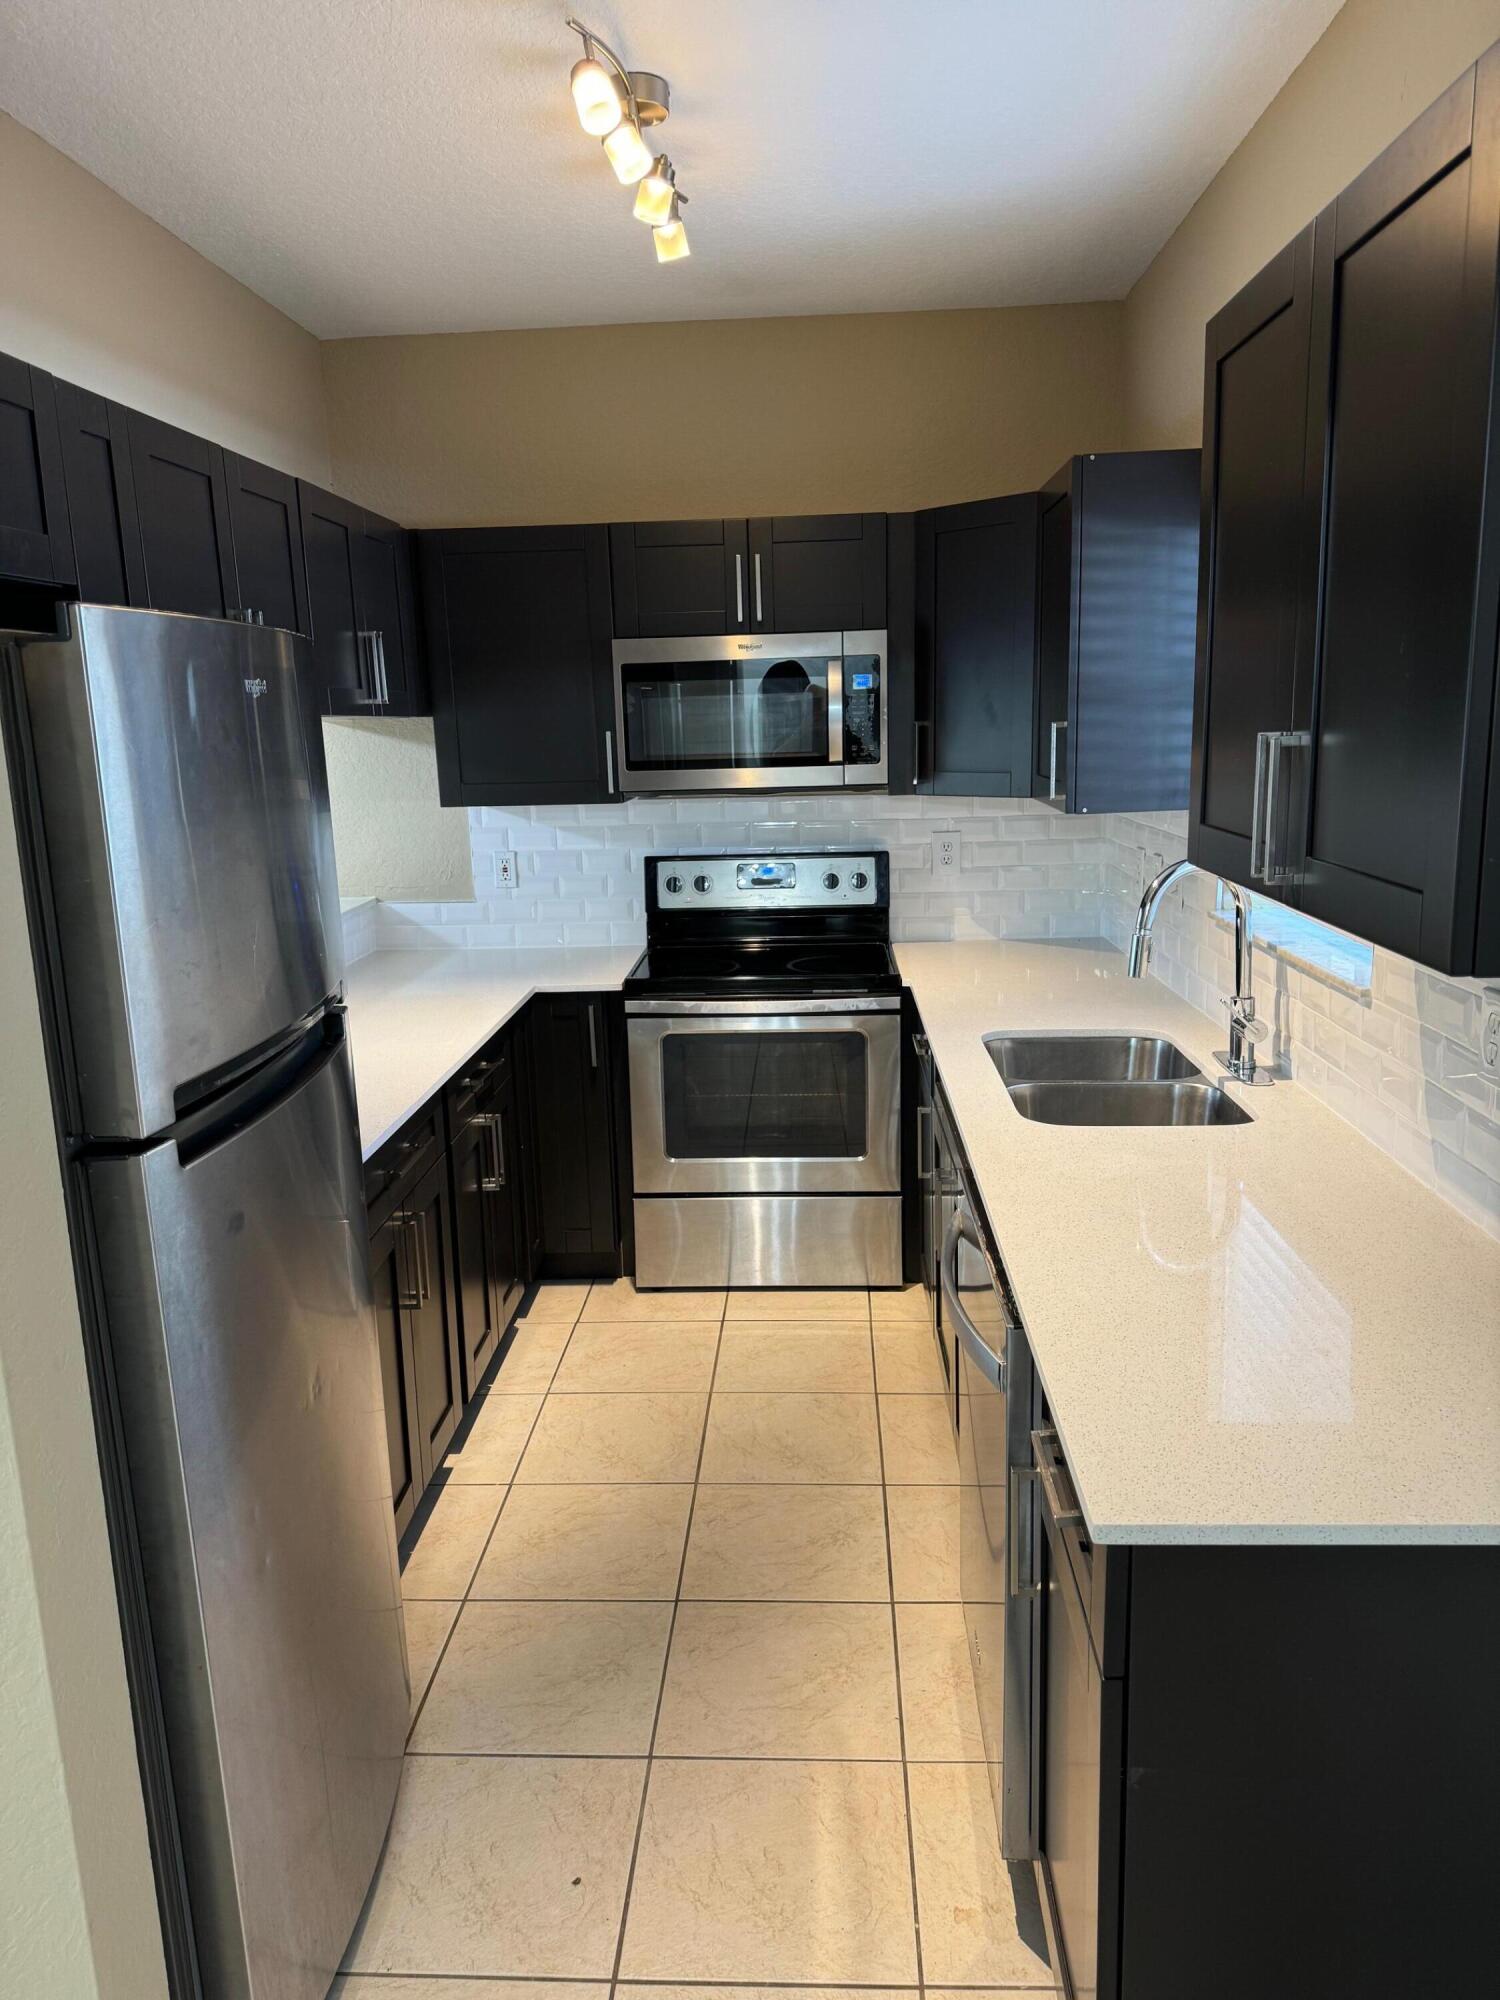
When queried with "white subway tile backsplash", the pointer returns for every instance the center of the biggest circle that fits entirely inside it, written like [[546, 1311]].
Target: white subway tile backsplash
[[1399, 1061]]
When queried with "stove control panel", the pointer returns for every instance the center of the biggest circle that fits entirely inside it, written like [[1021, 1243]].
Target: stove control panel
[[764, 881]]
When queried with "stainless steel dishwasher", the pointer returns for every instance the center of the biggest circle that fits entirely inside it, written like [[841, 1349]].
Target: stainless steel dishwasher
[[998, 1552]]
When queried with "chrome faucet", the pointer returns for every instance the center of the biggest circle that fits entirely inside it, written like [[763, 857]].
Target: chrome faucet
[[1245, 1029]]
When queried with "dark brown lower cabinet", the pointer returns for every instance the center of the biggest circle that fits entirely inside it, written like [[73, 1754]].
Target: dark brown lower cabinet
[[388, 1256], [432, 1310], [486, 1161], [574, 1128]]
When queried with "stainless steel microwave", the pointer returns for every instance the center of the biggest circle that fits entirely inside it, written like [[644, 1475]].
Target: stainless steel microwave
[[767, 711]]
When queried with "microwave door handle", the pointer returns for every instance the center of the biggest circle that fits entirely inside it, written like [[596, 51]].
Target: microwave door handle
[[739, 590], [836, 711]]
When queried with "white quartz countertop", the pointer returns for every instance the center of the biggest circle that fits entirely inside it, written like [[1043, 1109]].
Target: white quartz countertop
[[1250, 1333], [416, 1016]]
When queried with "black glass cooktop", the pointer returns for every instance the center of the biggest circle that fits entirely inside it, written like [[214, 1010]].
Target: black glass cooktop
[[749, 970]]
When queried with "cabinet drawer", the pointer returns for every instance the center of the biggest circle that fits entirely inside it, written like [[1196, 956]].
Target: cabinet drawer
[[482, 1074], [402, 1160]]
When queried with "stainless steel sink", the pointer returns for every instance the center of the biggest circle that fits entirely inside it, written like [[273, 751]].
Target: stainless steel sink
[[1195, 1102], [1088, 1059]]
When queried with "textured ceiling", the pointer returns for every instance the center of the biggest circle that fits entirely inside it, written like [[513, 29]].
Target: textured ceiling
[[405, 166]]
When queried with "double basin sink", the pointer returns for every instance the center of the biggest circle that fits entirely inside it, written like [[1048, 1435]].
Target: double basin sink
[[1108, 1080]]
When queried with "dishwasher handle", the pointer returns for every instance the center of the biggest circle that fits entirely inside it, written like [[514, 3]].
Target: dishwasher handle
[[962, 1229]]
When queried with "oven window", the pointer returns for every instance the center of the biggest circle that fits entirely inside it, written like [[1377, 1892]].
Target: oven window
[[765, 1096], [705, 715]]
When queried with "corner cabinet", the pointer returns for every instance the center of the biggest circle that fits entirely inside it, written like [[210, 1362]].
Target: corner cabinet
[[1370, 583], [518, 643], [362, 599], [1117, 578]]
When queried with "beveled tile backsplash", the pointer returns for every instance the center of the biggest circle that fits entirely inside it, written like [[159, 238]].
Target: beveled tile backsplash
[[1399, 1061]]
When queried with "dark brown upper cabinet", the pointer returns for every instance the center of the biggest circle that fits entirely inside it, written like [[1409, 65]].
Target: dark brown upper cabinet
[[518, 644], [817, 573], [679, 579], [270, 573], [36, 543], [1117, 578], [974, 609], [1252, 579], [1376, 574], [183, 505], [95, 437], [362, 596], [778, 573]]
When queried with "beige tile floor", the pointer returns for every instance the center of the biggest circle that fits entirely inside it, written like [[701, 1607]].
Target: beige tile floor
[[692, 1703]]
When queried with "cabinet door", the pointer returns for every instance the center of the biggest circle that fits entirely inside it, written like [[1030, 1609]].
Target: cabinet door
[[331, 528], [1254, 563], [95, 442], [679, 579], [270, 572], [1400, 681], [385, 599], [35, 542], [976, 641], [183, 505], [507, 1210], [575, 1164], [474, 1278], [436, 1367], [1055, 622], [517, 623], [392, 1287], [817, 573]]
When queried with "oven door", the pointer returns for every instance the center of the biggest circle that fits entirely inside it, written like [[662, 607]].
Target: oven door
[[730, 713], [767, 1101]]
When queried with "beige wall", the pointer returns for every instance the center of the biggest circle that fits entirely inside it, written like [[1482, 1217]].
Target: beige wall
[[94, 291], [391, 836], [1378, 65], [77, 1902], [753, 416]]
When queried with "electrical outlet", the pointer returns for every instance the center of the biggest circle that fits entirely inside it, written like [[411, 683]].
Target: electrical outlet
[[944, 853], [1489, 1030], [505, 871]]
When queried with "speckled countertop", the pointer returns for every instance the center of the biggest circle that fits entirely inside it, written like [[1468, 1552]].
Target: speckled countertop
[[415, 1016], [1264, 1332]]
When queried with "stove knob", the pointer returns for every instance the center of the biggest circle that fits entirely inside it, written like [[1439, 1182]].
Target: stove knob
[[830, 880], [673, 885], [703, 883], [859, 879]]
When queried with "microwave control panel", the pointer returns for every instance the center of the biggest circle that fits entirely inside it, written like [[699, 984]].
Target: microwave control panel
[[861, 708]]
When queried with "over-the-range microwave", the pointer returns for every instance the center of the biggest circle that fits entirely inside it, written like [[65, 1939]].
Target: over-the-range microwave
[[767, 711]]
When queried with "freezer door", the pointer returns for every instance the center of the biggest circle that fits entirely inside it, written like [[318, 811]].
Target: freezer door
[[188, 850], [238, 1306]]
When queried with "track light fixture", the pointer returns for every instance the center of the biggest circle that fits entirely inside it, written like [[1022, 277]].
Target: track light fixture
[[616, 105]]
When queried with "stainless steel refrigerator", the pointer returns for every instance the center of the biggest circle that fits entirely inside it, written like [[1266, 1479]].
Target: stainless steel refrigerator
[[187, 922]]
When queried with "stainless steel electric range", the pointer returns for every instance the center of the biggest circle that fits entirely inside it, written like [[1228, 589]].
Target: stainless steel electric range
[[763, 1022]]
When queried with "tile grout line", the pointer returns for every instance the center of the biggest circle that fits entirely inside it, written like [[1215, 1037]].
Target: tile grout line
[[484, 1551], [666, 1660], [890, 1567]]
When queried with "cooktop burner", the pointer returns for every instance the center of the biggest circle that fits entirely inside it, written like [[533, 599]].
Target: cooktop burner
[[767, 924], [750, 969]]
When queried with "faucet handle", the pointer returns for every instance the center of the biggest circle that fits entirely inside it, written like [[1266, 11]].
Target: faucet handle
[[1243, 1016]]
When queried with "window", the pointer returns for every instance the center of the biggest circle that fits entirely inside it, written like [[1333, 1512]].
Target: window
[[1347, 960]]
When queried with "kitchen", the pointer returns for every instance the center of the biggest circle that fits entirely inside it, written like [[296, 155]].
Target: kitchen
[[813, 1365]]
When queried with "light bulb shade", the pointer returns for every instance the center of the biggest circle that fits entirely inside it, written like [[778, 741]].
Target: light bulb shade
[[671, 239], [595, 95], [628, 152], [653, 198]]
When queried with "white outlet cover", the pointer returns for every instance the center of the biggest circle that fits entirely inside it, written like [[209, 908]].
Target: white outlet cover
[[1489, 1036], [945, 852], [505, 870]]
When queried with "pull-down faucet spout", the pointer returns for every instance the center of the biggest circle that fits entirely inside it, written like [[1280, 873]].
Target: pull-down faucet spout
[[1244, 1028]]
